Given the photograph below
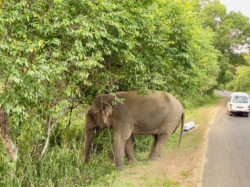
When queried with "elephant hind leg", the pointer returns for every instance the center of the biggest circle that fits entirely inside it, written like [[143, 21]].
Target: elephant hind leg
[[158, 145], [129, 150]]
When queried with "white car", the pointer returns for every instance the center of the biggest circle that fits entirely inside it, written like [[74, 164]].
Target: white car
[[238, 103]]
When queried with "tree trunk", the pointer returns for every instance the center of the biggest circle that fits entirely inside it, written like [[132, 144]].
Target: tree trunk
[[6, 138]]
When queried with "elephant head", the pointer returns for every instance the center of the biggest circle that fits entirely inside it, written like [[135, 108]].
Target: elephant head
[[97, 118]]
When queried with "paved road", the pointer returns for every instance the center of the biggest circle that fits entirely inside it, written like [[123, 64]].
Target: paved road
[[228, 154], [224, 94]]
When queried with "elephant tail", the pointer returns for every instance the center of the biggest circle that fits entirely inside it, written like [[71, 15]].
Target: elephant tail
[[182, 125]]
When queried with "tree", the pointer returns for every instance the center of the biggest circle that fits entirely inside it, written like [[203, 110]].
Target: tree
[[241, 80], [231, 33]]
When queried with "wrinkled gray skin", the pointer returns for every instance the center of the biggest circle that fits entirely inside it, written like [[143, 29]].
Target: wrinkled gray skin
[[157, 114]]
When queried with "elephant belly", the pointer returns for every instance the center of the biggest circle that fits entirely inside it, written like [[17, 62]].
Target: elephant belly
[[143, 132], [147, 129], [159, 125]]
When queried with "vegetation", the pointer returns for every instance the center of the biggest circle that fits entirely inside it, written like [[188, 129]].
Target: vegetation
[[231, 31], [56, 55], [241, 81]]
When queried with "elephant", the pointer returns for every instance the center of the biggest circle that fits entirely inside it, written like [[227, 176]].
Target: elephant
[[158, 114]]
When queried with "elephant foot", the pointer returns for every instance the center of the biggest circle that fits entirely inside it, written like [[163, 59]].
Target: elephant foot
[[132, 161], [119, 165], [118, 168], [154, 157]]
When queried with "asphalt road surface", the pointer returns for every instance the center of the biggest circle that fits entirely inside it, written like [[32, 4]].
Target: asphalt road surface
[[228, 154]]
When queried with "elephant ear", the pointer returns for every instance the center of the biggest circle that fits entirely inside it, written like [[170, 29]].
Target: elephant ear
[[106, 111]]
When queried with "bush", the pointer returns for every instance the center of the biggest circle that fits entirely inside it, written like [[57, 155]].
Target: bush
[[241, 81]]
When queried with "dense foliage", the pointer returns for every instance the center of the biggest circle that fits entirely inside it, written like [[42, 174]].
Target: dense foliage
[[241, 81], [232, 32], [56, 55]]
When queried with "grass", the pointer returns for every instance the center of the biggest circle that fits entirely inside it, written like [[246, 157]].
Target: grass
[[163, 182], [186, 173]]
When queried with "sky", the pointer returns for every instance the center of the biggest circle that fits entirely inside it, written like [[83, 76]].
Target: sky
[[237, 5]]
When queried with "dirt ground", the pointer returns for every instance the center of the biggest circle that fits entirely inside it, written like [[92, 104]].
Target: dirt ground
[[179, 167]]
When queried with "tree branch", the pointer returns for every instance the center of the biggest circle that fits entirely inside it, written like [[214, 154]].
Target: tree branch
[[51, 125]]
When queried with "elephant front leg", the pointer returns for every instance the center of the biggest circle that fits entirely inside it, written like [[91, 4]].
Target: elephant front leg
[[119, 150], [129, 149], [89, 134], [158, 146], [153, 147]]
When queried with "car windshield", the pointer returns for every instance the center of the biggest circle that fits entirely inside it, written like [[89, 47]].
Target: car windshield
[[240, 99]]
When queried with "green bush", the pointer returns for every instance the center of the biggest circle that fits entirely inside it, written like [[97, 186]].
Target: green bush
[[241, 81]]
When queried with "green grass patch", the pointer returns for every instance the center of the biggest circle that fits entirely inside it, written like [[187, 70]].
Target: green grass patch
[[162, 182], [187, 173]]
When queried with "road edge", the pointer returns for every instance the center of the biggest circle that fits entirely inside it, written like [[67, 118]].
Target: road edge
[[205, 143]]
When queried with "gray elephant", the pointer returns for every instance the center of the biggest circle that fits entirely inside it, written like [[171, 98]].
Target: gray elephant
[[157, 114]]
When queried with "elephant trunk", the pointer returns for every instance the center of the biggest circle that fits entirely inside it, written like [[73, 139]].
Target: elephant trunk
[[89, 134]]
